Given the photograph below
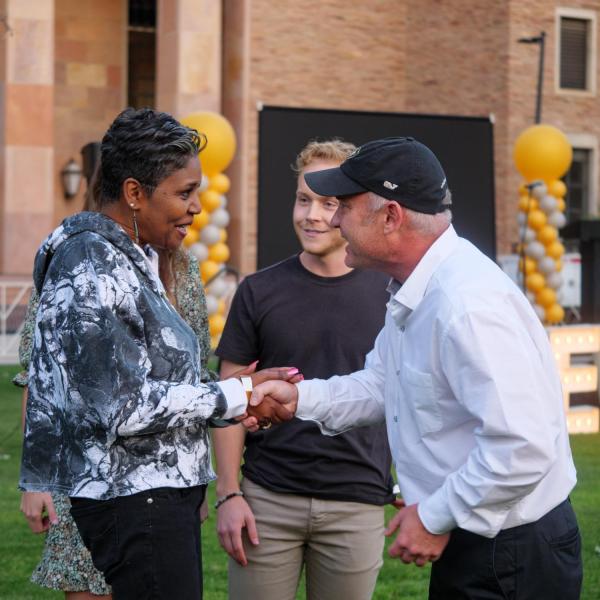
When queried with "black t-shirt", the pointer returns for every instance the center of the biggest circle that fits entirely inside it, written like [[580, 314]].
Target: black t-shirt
[[285, 315]]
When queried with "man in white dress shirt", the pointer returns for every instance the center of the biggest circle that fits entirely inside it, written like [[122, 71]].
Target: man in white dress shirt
[[464, 376]]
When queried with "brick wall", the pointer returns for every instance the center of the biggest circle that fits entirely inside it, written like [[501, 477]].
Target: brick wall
[[90, 88]]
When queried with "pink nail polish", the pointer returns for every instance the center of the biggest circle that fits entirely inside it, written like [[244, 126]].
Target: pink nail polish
[[292, 371]]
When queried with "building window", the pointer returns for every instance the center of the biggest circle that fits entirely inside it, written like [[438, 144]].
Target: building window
[[578, 186], [576, 51], [141, 73]]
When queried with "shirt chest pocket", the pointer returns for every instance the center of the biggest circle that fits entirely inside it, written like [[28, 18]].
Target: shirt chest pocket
[[419, 394]]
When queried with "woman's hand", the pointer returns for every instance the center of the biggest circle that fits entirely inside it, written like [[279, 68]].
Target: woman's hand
[[33, 506]]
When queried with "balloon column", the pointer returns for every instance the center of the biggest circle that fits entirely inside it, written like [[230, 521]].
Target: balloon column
[[542, 155], [206, 239]]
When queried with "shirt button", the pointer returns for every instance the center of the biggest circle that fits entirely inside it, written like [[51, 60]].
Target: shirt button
[[150, 501], [395, 419], [402, 328]]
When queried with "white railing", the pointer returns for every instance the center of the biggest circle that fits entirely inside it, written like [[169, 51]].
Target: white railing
[[14, 295]]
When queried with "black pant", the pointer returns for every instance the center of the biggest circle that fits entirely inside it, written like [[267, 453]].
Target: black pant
[[147, 544], [537, 561]]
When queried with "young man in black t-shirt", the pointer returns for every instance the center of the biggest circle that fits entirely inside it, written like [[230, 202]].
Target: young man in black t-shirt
[[308, 500]]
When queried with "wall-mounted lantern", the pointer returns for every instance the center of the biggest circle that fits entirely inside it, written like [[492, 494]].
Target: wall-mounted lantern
[[71, 178]]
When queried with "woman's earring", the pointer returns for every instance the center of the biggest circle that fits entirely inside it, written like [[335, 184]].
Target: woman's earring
[[136, 232]]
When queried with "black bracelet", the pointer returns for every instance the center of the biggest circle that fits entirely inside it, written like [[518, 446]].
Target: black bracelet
[[224, 499]]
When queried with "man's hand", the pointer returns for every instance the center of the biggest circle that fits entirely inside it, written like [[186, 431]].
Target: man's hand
[[33, 506], [280, 392], [232, 517], [413, 542]]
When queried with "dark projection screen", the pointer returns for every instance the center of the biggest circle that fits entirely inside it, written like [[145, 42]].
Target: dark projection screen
[[464, 146]]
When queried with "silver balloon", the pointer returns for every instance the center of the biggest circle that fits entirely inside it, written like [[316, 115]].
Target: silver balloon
[[199, 250], [212, 304], [535, 250], [557, 219], [539, 311], [530, 296], [529, 235], [204, 184], [218, 287], [554, 280], [548, 204], [223, 201], [220, 217], [521, 219], [546, 265], [540, 190], [210, 234]]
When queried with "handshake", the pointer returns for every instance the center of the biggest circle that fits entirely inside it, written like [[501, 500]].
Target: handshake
[[274, 397]]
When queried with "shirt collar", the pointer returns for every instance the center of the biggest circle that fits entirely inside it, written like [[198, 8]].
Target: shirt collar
[[407, 296]]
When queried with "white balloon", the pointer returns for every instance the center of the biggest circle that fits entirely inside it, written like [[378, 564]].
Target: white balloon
[[210, 234], [220, 217], [529, 235], [554, 280], [535, 250], [212, 304], [218, 287], [539, 311], [540, 190], [199, 250], [548, 204], [521, 218], [557, 219], [204, 184], [223, 201], [546, 265]]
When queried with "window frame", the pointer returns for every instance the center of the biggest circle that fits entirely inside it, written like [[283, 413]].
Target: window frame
[[587, 15], [589, 142]]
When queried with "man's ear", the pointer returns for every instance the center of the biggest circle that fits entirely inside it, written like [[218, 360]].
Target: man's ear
[[133, 192], [393, 217]]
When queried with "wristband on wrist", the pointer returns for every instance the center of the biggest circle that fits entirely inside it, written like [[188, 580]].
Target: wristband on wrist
[[224, 499], [247, 385]]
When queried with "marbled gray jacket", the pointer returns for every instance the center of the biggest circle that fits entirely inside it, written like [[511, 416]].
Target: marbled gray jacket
[[115, 404]]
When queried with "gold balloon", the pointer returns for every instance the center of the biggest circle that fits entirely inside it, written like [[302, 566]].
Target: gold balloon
[[546, 297], [208, 269], [524, 203], [200, 220], [536, 219], [529, 265], [555, 313], [220, 183], [535, 282], [559, 265], [218, 252], [523, 189], [214, 341], [547, 234], [221, 140], [221, 306], [555, 250], [210, 200], [561, 204], [216, 324], [223, 235], [542, 152], [191, 237], [557, 188]]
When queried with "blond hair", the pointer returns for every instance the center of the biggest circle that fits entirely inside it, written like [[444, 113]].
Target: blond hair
[[334, 150]]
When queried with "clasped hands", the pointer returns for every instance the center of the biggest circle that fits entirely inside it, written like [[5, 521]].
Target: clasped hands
[[274, 397]]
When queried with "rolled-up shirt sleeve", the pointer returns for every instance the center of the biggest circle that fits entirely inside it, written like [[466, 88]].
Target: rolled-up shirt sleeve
[[497, 373]]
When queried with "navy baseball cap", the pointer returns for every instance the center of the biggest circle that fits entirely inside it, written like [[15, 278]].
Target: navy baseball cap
[[396, 168]]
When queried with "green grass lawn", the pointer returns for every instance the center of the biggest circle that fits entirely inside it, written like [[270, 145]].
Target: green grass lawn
[[20, 549]]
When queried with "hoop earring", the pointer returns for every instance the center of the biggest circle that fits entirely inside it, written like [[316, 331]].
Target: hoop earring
[[136, 231]]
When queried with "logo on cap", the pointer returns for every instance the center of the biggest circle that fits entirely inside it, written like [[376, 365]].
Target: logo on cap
[[389, 185]]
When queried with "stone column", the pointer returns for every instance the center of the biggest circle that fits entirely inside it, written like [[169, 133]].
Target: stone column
[[26, 127], [188, 61]]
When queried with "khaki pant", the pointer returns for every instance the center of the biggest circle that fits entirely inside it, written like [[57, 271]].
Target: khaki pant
[[339, 543]]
